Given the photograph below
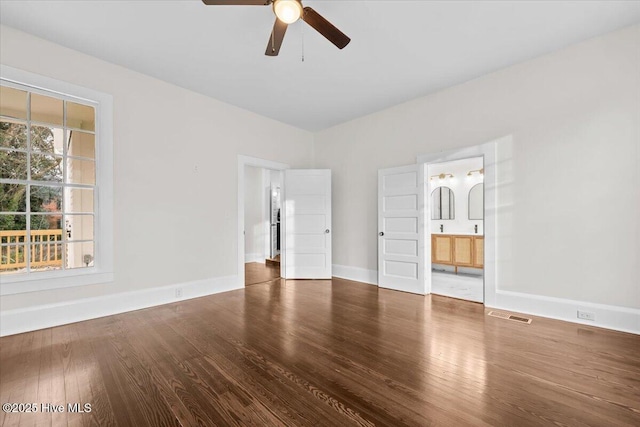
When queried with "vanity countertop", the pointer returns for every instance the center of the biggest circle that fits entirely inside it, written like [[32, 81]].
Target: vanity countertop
[[457, 234]]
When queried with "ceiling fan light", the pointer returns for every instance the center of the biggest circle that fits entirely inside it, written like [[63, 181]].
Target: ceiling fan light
[[288, 11]]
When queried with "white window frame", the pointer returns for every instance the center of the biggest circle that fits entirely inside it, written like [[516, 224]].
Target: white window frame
[[102, 270]]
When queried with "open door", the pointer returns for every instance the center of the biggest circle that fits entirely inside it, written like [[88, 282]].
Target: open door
[[400, 229], [307, 224]]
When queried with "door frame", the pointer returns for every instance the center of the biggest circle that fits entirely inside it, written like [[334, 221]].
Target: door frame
[[489, 152], [260, 163]]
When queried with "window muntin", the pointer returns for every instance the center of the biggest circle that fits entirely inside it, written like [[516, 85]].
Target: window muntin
[[47, 182]]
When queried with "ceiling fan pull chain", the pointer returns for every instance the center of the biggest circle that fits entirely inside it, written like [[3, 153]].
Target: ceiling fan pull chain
[[302, 33]]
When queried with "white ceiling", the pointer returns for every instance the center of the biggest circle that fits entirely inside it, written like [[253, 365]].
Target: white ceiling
[[400, 50]]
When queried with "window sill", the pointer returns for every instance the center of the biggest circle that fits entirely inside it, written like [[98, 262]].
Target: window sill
[[43, 281]]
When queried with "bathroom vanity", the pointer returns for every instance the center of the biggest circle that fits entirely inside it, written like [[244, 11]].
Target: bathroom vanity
[[458, 250]]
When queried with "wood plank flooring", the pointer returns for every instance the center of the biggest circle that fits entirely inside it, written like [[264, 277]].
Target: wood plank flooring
[[323, 353], [259, 272]]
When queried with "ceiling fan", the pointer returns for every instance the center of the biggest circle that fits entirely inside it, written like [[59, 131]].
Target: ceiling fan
[[287, 12]]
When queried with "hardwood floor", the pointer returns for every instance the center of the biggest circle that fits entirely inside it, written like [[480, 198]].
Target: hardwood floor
[[328, 353], [257, 272]]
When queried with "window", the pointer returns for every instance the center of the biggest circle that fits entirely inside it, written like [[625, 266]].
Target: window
[[50, 177]]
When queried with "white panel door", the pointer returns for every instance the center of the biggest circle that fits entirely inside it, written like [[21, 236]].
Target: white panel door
[[401, 229], [307, 225]]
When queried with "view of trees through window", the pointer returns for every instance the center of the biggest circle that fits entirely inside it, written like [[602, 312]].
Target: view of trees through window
[[47, 182], [13, 197]]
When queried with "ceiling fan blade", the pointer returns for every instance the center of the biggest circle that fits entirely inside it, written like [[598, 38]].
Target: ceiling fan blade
[[237, 2], [326, 28], [275, 40]]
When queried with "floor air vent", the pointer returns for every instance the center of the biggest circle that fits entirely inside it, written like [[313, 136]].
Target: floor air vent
[[509, 317]]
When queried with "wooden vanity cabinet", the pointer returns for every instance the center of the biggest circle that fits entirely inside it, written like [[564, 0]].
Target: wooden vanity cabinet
[[457, 250], [463, 251], [478, 252], [441, 249]]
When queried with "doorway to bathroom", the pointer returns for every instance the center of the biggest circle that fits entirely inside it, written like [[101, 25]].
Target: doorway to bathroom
[[405, 224], [454, 192]]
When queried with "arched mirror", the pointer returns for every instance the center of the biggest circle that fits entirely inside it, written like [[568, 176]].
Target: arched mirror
[[476, 202], [442, 203]]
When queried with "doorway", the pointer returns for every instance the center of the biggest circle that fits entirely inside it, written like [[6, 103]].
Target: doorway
[[305, 232], [404, 260], [262, 189], [254, 185], [454, 191]]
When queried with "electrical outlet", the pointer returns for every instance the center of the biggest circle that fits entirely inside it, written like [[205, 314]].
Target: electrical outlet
[[585, 315], [178, 292]]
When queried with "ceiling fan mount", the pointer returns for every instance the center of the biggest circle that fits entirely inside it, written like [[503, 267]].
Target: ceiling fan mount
[[288, 12]]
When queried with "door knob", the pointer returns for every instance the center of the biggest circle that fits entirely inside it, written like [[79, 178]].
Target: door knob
[[326, 231], [381, 233]]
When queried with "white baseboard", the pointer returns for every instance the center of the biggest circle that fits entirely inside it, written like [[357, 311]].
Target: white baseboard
[[253, 258], [355, 273], [49, 315], [606, 316]]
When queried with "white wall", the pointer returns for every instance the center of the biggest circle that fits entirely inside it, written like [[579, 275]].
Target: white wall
[[254, 215], [569, 185], [460, 185], [175, 176]]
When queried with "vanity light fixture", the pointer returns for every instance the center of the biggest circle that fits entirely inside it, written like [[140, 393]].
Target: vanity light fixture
[[441, 176], [480, 171]]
